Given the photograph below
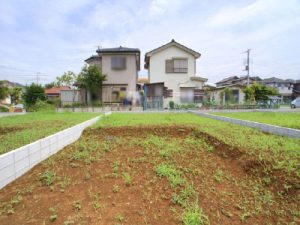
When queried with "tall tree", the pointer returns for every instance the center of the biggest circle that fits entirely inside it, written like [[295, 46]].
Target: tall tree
[[67, 79], [92, 79], [32, 94], [257, 92]]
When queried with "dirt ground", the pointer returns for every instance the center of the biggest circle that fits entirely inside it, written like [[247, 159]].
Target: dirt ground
[[110, 176]]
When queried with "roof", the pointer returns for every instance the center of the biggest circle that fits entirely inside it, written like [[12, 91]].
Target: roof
[[275, 80], [92, 58], [228, 79], [7, 83], [118, 50], [228, 86], [165, 46], [56, 90]]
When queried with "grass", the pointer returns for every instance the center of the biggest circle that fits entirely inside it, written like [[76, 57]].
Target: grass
[[291, 120], [19, 130], [162, 169], [281, 152]]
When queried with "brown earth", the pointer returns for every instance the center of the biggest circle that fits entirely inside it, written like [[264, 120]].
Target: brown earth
[[231, 187]]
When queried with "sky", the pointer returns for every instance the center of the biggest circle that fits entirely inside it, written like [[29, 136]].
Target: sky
[[50, 37]]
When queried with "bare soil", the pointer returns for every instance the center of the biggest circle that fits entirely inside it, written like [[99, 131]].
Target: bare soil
[[231, 187]]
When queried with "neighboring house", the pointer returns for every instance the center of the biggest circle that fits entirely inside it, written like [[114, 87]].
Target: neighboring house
[[55, 92], [121, 66], [283, 87], [172, 76], [243, 80], [217, 93], [295, 87], [234, 83]]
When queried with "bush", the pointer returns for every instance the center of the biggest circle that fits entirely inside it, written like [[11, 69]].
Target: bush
[[3, 109], [41, 106], [171, 104], [32, 94]]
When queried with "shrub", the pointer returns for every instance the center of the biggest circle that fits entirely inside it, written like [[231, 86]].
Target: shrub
[[171, 104], [32, 94], [3, 109], [41, 106]]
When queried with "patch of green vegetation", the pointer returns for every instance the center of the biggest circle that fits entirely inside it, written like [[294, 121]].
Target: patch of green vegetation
[[48, 177], [283, 119], [127, 179], [193, 215], [171, 173], [280, 152], [20, 130]]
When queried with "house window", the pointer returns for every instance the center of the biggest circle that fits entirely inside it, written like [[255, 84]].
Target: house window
[[198, 95], [176, 66], [168, 93], [118, 63]]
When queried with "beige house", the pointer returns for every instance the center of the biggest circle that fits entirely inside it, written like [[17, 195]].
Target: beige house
[[121, 66], [172, 75], [218, 94]]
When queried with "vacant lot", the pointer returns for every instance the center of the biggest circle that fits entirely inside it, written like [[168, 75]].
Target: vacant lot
[[161, 169], [19, 130], [291, 120]]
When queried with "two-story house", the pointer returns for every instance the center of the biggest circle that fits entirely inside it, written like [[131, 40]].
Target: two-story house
[[121, 66], [172, 75], [283, 87]]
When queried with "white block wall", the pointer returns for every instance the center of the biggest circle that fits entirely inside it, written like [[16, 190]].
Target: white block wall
[[15, 163], [283, 131]]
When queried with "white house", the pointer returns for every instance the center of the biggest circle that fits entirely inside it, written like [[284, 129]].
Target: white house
[[172, 74]]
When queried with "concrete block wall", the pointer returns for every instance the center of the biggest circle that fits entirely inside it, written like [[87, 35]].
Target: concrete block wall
[[15, 163], [283, 131]]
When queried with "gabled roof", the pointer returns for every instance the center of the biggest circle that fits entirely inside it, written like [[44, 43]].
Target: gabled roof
[[228, 79], [274, 80], [118, 50], [172, 43], [56, 90], [93, 58]]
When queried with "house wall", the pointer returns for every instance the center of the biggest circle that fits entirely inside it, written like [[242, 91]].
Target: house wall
[[157, 71], [67, 96], [126, 76], [216, 95]]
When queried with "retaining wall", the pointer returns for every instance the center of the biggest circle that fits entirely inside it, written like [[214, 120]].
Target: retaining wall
[[283, 131], [15, 163]]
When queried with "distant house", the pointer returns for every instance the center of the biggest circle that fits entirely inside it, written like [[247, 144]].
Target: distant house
[[235, 84], [172, 75], [243, 80], [121, 66], [283, 87], [295, 87], [55, 92]]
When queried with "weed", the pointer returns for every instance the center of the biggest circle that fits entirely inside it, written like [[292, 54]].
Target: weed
[[119, 217], [77, 205], [65, 182], [115, 189], [219, 176], [53, 215], [193, 215], [172, 174], [48, 177], [115, 166], [127, 179]]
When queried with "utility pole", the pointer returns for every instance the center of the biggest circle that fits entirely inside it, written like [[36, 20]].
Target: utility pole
[[247, 66]]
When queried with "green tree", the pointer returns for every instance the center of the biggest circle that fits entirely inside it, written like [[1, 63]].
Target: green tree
[[32, 94], [257, 92], [92, 79], [15, 94], [51, 85], [67, 79], [3, 90]]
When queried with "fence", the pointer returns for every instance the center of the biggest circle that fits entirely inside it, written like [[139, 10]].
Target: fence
[[15, 163]]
